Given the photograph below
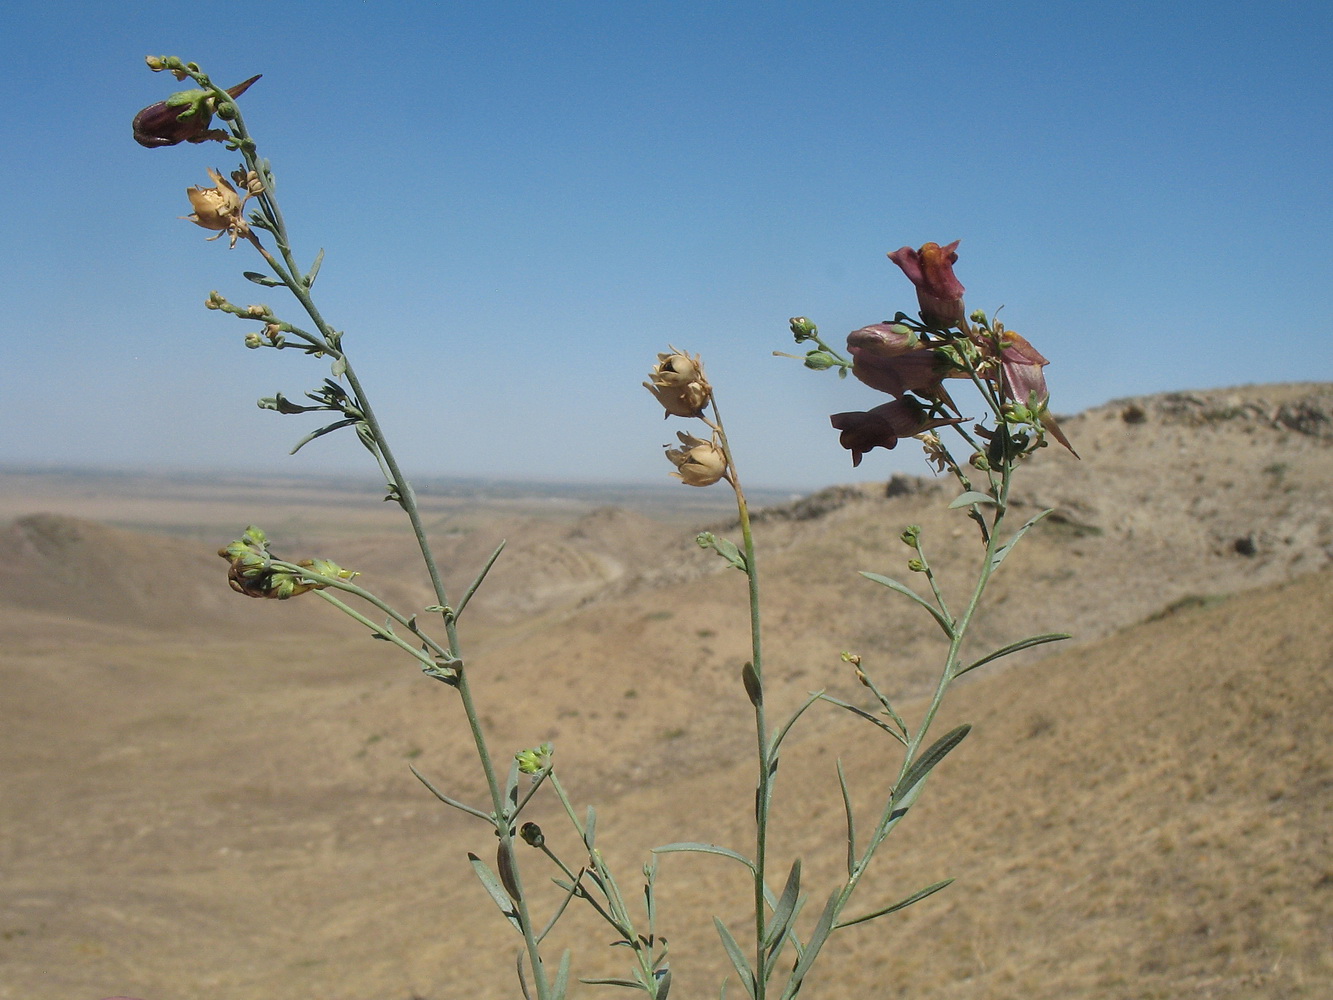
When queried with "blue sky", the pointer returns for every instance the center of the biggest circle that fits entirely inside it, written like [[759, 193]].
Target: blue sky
[[521, 203]]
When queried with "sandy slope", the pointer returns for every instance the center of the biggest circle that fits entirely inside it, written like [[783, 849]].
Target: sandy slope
[[208, 796]]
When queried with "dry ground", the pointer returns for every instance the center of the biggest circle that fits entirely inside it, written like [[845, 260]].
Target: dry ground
[[202, 796]]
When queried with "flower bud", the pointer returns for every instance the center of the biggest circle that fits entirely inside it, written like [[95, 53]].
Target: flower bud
[[532, 835], [698, 462], [253, 341], [916, 565], [536, 760], [819, 361], [802, 329], [911, 535], [182, 117]]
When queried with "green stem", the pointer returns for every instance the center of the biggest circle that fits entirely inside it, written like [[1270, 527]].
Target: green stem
[[764, 789], [292, 276]]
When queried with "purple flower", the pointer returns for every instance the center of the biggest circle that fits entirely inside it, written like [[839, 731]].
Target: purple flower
[[882, 426], [888, 357], [183, 117], [938, 291]]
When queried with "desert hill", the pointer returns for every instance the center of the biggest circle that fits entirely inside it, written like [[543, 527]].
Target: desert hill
[[205, 795]]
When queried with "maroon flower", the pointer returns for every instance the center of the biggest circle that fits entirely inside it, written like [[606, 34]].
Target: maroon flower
[[882, 426], [888, 357], [1023, 381], [183, 117], [938, 291]]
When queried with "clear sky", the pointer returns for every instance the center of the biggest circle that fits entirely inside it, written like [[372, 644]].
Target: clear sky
[[522, 202]]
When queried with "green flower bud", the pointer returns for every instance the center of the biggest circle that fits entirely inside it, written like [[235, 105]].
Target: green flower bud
[[819, 360], [536, 760], [802, 329], [916, 565]]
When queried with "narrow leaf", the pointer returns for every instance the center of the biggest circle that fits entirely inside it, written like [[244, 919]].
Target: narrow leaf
[[320, 433], [561, 983], [590, 828], [314, 268], [867, 716], [628, 983], [496, 890], [917, 896], [1004, 549], [786, 728], [697, 848], [851, 820], [781, 919], [923, 764], [817, 938], [261, 279], [1014, 647], [907, 591], [504, 863], [737, 957], [972, 497], [448, 801], [472, 589]]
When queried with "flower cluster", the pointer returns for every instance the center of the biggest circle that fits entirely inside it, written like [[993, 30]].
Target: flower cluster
[[911, 361], [252, 571]]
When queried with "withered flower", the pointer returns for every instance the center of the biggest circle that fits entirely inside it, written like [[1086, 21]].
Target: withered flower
[[938, 291], [679, 384], [182, 117], [218, 208], [698, 462], [882, 426]]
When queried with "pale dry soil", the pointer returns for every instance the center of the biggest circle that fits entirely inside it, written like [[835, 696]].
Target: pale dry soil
[[206, 796]]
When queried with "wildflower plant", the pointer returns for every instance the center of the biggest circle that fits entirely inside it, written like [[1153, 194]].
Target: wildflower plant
[[919, 362]]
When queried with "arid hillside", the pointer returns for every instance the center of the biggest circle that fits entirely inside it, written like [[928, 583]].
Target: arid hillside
[[203, 795]]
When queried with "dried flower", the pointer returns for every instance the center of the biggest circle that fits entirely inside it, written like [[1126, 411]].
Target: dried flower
[[182, 117], [253, 574], [938, 291], [882, 426], [679, 384], [218, 208], [698, 462]]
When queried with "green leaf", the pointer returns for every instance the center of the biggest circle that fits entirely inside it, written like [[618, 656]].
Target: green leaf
[[781, 734], [448, 801], [972, 497], [467, 594], [590, 828], [1014, 647], [1004, 549], [907, 591], [851, 820], [817, 938], [496, 890], [627, 983], [927, 761], [261, 279], [727, 550], [782, 913], [698, 848], [867, 716], [737, 957], [917, 896], [753, 689], [561, 983], [339, 425], [314, 268]]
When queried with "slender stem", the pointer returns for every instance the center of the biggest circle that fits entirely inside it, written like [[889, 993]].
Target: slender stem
[[292, 276], [764, 789]]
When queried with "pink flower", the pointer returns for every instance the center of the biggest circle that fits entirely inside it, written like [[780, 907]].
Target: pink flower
[[183, 117], [882, 426], [888, 357], [1023, 381], [938, 291]]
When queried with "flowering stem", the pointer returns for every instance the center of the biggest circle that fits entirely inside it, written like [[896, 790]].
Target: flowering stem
[[764, 791], [290, 274]]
